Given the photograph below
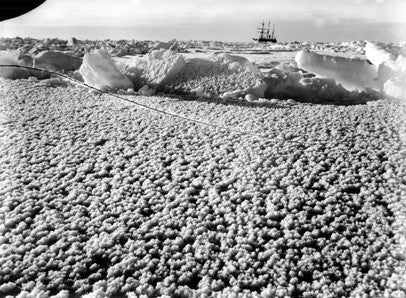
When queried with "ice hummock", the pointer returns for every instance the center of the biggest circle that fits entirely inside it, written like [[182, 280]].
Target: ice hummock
[[220, 75], [208, 70], [170, 45], [16, 58], [306, 87], [395, 88], [57, 61], [99, 71], [383, 70], [157, 68], [390, 62], [234, 62], [352, 73], [378, 53]]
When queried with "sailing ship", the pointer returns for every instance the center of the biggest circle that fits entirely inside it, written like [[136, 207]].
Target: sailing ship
[[264, 34]]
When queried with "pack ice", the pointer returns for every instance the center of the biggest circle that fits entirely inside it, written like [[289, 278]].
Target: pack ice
[[234, 62], [99, 71], [57, 61], [218, 74], [390, 62], [15, 58], [307, 87], [351, 73], [223, 75], [383, 70], [159, 67]]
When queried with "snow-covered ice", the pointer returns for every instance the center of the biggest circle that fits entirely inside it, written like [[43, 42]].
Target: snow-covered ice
[[391, 64], [57, 61], [234, 62], [160, 67], [219, 75], [146, 90], [395, 88], [307, 87], [99, 71], [14, 58], [352, 73], [170, 45], [273, 197], [99, 196], [379, 53], [230, 70]]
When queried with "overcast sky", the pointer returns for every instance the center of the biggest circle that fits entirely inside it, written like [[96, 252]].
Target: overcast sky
[[228, 20]]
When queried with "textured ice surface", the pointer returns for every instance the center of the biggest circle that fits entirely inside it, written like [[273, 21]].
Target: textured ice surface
[[220, 75], [308, 88], [170, 45], [401, 64], [199, 92], [100, 195], [395, 88], [98, 70], [398, 67], [146, 90], [14, 58], [396, 84], [352, 73], [159, 67], [221, 69], [234, 62], [391, 64], [379, 53], [57, 61]]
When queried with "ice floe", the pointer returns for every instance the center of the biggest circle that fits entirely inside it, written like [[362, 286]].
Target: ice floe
[[218, 69], [99, 196], [170, 45], [16, 58], [379, 53], [308, 88], [220, 75], [159, 67], [352, 73], [234, 62], [395, 88], [390, 62], [99, 71], [57, 61]]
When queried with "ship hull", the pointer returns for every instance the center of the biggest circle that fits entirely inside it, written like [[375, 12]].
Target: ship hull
[[273, 40]]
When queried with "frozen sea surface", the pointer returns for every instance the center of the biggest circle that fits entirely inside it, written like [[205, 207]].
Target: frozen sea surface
[[100, 196]]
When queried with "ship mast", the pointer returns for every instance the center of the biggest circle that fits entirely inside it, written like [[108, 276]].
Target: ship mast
[[262, 30], [267, 32]]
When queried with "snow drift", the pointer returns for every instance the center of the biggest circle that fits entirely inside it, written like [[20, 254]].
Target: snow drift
[[216, 75], [306, 87], [99, 71], [158, 68], [220, 75], [234, 63], [352, 73]]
